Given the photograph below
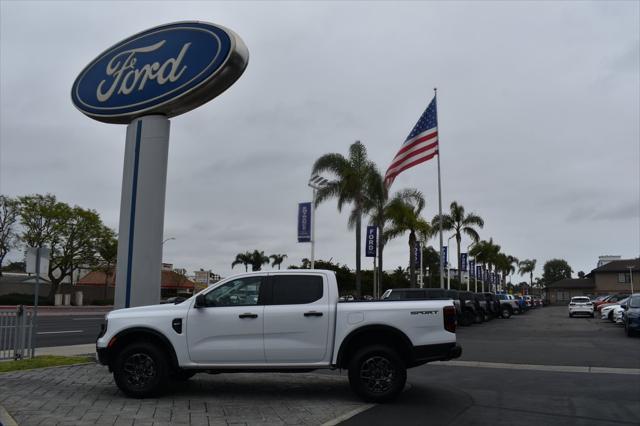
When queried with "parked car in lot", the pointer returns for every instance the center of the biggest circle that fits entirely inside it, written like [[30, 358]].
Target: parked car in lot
[[631, 315], [528, 299], [580, 305], [508, 305], [493, 304], [483, 307], [609, 300], [471, 307], [277, 320], [608, 311]]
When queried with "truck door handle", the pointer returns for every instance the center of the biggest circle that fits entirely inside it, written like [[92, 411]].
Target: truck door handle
[[248, 315], [313, 314]]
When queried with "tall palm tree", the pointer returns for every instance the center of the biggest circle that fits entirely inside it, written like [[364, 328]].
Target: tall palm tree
[[460, 223], [242, 259], [277, 259], [505, 264], [527, 266], [349, 186], [258, 258], [486, 252], [376, 205], [404, 214]]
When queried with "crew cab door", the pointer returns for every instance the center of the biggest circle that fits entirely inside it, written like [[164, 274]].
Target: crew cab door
[[229, 328], [296, 319]]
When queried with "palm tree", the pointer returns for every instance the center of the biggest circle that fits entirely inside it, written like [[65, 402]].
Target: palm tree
[[459, 223], [404, 214], [486, 252], [376, 205], [242, 259], [505, 264], [277, 259], [527, 266], [258, 258], [349, 186]]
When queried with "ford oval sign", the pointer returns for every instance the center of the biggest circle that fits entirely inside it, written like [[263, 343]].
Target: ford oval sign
[[169, 70]]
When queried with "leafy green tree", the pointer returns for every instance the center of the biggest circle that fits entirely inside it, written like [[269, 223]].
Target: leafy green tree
[[349, 186], [258, 259], [460, 223], [277, 259], [106, 256], [506, 264], [72, 233], [404, 214], [242, 259], [527, 266], [555, 270], [9, 212]]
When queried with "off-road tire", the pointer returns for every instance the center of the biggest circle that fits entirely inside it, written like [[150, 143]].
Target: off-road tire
[[506, 313], [141, 370], [377, 373], [570, 315]]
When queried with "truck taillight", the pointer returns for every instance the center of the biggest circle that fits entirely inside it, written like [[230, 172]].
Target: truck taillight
[[449, 314]]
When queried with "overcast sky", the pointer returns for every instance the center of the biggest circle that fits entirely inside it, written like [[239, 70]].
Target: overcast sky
[[538, 104]]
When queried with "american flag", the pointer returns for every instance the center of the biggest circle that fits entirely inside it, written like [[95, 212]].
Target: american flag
[[421, 144]]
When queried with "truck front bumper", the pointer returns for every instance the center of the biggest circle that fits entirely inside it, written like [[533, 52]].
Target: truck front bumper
[[441, 352]]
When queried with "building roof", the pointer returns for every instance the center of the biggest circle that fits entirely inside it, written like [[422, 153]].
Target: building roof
[[170, 279], [573, 283], [618, 266]]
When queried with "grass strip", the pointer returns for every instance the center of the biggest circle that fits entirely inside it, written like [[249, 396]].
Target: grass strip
[[42, 362]]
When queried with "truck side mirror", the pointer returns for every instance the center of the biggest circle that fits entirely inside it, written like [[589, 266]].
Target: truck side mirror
[[200, 302]]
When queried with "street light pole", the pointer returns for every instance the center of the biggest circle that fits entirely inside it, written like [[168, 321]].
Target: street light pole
[[468, 269], [316, 182], [631, 277], [449, 263]]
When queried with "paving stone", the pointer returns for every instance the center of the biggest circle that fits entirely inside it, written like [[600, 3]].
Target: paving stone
[[86, 395]]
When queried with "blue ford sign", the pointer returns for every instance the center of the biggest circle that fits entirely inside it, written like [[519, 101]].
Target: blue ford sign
[[168, 70], [372, 234], [304, 222]]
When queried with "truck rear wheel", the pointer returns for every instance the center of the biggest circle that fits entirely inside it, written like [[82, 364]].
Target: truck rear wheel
[[506, 312], [141, 370], [377, 373]]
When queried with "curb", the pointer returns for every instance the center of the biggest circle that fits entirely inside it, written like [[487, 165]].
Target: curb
[[5, 418]]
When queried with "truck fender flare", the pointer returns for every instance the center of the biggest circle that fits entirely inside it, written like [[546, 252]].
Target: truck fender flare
[[379, 329], [156, 337]]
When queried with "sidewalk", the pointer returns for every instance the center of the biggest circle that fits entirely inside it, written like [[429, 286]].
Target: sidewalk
[[73, 350]]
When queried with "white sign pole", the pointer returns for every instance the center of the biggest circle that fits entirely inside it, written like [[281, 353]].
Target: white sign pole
[[142, 212]]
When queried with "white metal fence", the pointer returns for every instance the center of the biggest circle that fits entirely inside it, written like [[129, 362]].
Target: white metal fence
[[16, 333]]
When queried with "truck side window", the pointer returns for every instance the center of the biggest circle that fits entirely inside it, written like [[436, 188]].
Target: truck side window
[[296, 289], [240, 292]]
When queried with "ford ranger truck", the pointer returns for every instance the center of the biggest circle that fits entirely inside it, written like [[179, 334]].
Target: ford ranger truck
[[285, 321]]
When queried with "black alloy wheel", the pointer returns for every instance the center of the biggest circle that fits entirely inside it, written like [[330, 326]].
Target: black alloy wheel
[[140, 370], [377, 373]]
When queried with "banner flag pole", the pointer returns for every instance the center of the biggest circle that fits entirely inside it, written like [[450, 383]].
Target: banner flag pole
[[435, 96]]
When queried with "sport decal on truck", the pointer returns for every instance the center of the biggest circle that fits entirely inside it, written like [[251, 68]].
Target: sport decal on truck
[[424, 313]]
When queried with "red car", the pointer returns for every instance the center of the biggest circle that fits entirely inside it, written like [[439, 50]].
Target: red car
[[611, 300]]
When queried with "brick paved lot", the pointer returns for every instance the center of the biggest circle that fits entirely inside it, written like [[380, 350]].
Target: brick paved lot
[[86, 395]]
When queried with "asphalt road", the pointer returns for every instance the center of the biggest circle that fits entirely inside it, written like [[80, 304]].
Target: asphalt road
[[514, 393], [68, 330]]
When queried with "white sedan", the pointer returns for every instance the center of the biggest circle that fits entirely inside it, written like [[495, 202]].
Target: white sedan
[[580, 305], [609, 312]]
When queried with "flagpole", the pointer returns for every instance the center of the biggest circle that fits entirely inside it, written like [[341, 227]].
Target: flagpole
[[435, 97]]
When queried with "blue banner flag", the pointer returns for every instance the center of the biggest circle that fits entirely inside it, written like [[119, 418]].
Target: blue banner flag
[[417, 254], [444, 256], [479, 272], [304, 222], [472, 268], [372, 237], [463, 262]]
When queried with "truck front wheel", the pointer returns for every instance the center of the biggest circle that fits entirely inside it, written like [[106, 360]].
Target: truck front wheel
[[377, 373], [141, 370]]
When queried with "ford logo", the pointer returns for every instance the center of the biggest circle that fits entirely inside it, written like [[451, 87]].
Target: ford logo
[[169, 70]]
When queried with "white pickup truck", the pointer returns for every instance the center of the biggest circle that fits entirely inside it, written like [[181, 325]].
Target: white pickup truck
[[277, 321]]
